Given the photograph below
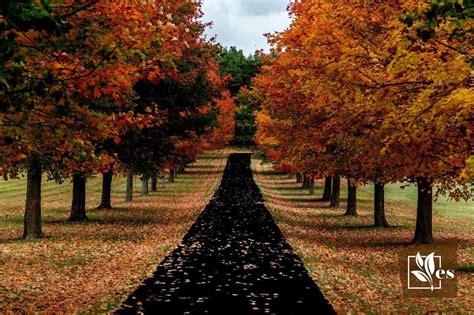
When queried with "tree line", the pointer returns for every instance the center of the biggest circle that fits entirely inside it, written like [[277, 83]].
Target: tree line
[[242, 69], [375, 92], [106, 87]]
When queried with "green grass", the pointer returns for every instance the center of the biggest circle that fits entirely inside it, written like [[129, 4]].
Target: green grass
[[395, 194], [16, 189], [466, 268], [73, 261], [408, 196], [13, 192], [354, 263], [105, 258]]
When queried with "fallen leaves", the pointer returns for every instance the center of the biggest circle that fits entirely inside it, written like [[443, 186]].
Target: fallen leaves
[[93, 266], [355, 265]]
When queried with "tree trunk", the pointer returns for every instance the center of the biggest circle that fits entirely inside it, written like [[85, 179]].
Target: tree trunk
[[327, 189], [106, 191], [336, 192], [351, 199], [424, 213], [311, 185], [145, 186], [172, 176], [129, 187], [299, 178], [154, 183], [78, 208], [32, 220], [305, 182], [379, 206]]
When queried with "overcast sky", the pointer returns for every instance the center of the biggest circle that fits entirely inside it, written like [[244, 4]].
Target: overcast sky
[[242, 23]]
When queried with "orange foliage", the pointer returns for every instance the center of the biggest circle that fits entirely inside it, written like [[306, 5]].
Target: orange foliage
[[225, 131], [354, 92]]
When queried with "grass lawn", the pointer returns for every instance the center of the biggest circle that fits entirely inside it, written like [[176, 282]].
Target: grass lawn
[[93, 266], [408, 196], [355, 265]]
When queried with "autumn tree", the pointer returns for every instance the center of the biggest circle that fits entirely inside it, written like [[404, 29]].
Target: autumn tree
[[355, 93], [67, 78]]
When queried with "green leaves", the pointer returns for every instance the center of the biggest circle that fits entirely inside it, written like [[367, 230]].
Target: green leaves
[[27, 10], [408, 20], [242, 69], [454, 13]]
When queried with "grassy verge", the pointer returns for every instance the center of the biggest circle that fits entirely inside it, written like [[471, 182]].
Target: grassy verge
[[355, 265], [93, 266]]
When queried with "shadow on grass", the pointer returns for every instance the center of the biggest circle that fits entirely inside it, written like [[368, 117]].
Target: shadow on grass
[[270, 172], [201, 173], [466, 268], [388, 244], [307, 199], [20, 239], [366, 227], [197, 167], [128, 216], [128, 221], [297, 188], [208, 157]]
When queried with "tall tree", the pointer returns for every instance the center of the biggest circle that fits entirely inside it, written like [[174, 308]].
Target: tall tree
[[354, 91]]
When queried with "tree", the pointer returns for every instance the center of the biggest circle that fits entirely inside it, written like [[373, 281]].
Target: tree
[[241, 70], [67, 76], [185, 107], [354, 92], [225, 128], [248, 102]]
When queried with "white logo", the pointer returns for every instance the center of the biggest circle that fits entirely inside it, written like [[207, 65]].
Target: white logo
[[429, 273]]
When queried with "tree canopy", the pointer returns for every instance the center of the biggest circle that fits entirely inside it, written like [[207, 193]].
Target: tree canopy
[[98, 86], [355, 91]]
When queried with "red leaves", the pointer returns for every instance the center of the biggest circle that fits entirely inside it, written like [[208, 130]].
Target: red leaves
[[91, 70], [350, 84], [225, 131], [97, 93]]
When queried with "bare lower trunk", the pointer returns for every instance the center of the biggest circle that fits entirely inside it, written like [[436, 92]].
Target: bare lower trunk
[[351, 199], [379, 206], [32, 220], [305, 182], [299, 178], [78, 207], [327, 189], [172, 176], [145, 190], [424, 213], [129, 187], [311, 186], [336, 192], [105, 202], [154, 183]]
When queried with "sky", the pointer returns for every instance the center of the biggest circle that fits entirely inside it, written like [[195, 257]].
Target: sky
[[242, 23]]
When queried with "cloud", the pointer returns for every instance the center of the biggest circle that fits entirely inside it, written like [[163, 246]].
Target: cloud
[[242, 23], [262, 7]]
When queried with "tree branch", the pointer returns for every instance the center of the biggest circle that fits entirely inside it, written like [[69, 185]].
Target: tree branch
[[81, 8]]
